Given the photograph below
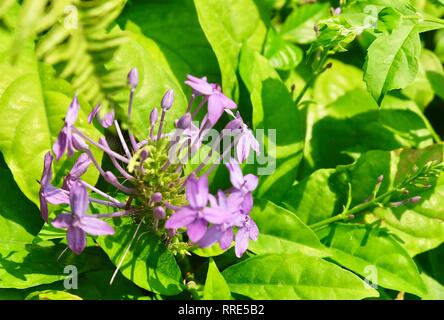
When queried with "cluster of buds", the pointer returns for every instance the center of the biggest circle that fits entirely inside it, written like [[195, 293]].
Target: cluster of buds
[[150, 175]]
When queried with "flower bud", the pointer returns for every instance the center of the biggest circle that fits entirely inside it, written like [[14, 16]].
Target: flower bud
[[107, 120], [168, 99], [133, 78], [184, 122], [153, 116], [156, 197], [415, 199], [159, 213]]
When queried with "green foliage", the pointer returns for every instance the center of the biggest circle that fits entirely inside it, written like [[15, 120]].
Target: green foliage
[[294, 276], [350, 194]]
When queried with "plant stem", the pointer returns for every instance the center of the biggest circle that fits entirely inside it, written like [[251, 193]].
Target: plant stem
[[352, 212], [312, 78]]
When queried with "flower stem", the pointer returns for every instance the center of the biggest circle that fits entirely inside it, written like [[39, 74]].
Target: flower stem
[[319, 69], [122, 139], [350, 214]]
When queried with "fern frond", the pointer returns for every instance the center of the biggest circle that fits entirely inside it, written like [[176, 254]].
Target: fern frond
[[73, 36]]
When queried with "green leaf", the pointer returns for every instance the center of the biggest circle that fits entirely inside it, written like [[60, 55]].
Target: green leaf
[[429, 80], [299, 25], [348, 121], [314, 198], [33, 104], [294, 276], [282, 54], [374, 253], [283, 126], [287, 233], [228, 26], [216, 288], [52, 295], [148, 263], [435, 291], [19, 218], [392, 61], [25, 265]]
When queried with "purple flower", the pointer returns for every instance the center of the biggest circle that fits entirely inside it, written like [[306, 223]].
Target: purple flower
[[67, 139], [79, 169], [49, 193], [106, 121], [246, 141], [79, 224], [133, 78], [223, 233], [196, 215], [217, 101], [247, 230], [244, 184]]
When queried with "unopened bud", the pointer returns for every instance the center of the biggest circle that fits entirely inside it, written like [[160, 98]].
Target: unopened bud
[[415, 199], [168, 99], [380, 178], [133, 78], [184, 122], [153, 116], [156, 197], [159, 213]]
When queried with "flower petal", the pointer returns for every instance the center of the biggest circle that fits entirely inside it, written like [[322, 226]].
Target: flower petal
[[197, 191], [63, 220], [215, 108], [181, 218], [73, 111], [95, 226], [226, 239], [197, 229], [43, 207], [212, 235], [94, 113], [243, 148], [236, 176], [47, 169], [251, 182], [242, 239], [108, 120], [226, 102], [60, 145], [78, 199], [216, 215], [80, 167], [76, 239], [55, 195], [254, 231]]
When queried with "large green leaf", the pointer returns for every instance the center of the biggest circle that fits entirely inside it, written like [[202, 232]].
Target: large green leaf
[[147, 263], [294, 276], [283, 125], [392, 61], [163, 55], [216, 288], [363, 249], [25, 265], [299, 25], [315, 198], [286, 234], [19, 218], [282, 54], [435, 291], [33, 104], [228, 26], [347, 121]]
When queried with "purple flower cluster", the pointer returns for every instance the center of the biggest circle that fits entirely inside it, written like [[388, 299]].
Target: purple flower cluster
[[158, 192]]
